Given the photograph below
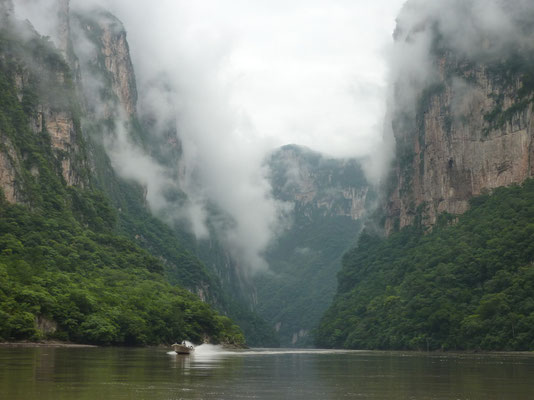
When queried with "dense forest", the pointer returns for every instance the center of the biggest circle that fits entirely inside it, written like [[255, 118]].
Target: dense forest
[[466, 285], [91, 286]]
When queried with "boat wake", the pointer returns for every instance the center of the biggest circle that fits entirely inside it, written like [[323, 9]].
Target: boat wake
[[208, 352]]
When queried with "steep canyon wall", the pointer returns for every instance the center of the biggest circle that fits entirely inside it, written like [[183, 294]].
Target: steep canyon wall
[[466, 128]]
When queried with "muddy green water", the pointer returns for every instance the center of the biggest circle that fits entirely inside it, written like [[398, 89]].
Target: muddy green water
[[118, 373]]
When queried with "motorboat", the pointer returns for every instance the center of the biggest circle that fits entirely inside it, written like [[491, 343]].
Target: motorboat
[[183, 348]]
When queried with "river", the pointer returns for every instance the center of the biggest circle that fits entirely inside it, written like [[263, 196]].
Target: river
[[47, 373]]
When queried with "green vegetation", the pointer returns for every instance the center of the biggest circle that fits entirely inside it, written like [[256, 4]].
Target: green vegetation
[[65, 271], [95, 286], [301, 283], [305, 258], [184, 261], [464, 286]]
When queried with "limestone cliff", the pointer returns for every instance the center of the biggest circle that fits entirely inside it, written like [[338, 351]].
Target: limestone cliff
[[316, 184], [105, 56], [8, 171], [469, 130], [79, 72], [45, 89]]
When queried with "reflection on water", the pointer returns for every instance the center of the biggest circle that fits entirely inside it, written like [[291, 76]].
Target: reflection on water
[[213, 373]]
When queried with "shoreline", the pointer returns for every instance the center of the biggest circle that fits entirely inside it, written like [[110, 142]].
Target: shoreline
[[60, 344], [51, 343]]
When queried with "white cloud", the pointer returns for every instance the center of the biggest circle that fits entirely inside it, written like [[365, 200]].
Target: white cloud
[[241, 77], [41, 13], [294, 69]]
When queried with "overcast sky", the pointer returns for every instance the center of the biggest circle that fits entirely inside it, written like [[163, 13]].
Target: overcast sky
[[310, 72]]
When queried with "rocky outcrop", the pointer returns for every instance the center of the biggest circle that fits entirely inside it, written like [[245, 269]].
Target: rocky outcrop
[[60, 126], [316, 184], [7, 153], [40, 74], [470, 131], [108, 62], [118, 63], [55, 112], [8, 172]]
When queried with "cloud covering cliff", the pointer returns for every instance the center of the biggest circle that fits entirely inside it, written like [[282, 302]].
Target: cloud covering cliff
[[237, 79]]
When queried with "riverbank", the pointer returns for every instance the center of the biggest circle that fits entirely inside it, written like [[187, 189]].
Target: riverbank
[[46, 343], [58, 343]]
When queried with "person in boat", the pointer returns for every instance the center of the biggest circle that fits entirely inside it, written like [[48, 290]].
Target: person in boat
[[184, 344]]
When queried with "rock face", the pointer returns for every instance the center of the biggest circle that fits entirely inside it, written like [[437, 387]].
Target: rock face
[[60, 126], [55, 114], [469, 131], [318, 185], [57, 120], [118, 63], [108, 62], [8, 172], [42, 74]]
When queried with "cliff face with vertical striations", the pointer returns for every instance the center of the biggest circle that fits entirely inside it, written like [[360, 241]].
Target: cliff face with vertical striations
[[316, 184], [8, 156], [118, 63], [8, 171], [468, 126], [105, 56], [45, 88]]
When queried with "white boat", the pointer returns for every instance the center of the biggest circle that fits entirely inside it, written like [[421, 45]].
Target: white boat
[[183, 348]]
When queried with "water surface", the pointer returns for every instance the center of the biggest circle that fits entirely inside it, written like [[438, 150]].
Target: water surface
[[156, 374]]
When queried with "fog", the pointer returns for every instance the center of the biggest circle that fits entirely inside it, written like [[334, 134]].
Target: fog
[[43, 14], [480, 31], [238, 79]]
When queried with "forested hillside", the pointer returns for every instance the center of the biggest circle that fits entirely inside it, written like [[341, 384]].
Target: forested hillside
[[65, 270], [464, 286]]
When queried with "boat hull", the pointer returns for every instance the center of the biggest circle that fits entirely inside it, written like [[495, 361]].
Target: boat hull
[[181, 349]]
